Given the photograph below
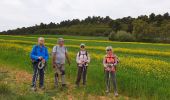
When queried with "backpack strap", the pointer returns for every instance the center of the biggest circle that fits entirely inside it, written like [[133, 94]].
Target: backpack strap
[[64, 48], [86, 53]]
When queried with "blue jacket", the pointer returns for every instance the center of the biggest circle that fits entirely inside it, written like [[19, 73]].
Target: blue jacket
[[37, 51]]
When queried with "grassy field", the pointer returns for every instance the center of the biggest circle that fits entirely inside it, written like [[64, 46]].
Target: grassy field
[[143, 72]]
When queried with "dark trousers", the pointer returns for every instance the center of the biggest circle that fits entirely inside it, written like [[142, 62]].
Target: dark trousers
[[38, 72], [111, 77], [82, 71]]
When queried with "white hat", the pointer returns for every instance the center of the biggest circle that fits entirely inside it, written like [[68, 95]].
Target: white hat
[[82, 44]]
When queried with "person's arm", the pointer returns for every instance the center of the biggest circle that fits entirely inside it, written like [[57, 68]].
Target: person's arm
[[88, 56], [116, 60], [33, 54], [68, 59], [54, 56], [67, 56], [104, 62], [78, 59], [46, 54]]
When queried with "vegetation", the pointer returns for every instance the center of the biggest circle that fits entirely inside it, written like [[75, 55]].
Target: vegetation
[[142, 72], [152, 28]]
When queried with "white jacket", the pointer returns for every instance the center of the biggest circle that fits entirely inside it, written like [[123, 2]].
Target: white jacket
[[82, 56]]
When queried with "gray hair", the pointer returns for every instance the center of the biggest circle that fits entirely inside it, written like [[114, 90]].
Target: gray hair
[[109, 48], [60, 40], [41, 38]]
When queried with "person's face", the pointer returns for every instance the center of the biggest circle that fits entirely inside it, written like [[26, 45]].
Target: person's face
[[109, 51], [41, 41], [82, 48], [61, 43]]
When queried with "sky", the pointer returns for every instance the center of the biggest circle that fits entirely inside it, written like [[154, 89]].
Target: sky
[[24, 13]]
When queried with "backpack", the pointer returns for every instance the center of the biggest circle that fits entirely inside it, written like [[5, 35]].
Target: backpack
[[83, 54]]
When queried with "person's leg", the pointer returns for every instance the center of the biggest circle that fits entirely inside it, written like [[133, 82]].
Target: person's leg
[[84, 75], [63, 75], [35, 75], [41, 78], [79, 75], [56, 75], [113, 74], [107, 81]]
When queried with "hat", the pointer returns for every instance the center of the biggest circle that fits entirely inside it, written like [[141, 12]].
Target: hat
[[82, 44]]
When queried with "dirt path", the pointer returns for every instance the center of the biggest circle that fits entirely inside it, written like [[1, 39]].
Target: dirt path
[[23, 78]]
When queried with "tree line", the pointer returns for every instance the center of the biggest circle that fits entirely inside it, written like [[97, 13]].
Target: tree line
[[149, 28]]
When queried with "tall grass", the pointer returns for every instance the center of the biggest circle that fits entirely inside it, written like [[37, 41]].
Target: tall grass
[[138, 75]]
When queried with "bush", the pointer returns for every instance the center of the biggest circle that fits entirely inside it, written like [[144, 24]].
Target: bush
[[112, 36], [122, 36]]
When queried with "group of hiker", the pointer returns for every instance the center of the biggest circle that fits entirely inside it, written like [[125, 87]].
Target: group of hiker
[[39, 56]]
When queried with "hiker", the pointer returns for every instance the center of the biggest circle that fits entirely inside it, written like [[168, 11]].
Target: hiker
[[82, 59], [59, 55], [110, 61], [39, 56]]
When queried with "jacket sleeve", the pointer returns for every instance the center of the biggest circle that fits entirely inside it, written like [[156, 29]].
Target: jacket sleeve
[[46, 54], [78, 58], [33, 54], [104, 61], [116, 60], [88, 60]]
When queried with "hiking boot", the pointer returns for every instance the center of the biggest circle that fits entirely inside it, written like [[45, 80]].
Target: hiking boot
[[77, 85], [56, 86], [116, 94], [42, 87], [63, 85], [107, 91], [33, 89]]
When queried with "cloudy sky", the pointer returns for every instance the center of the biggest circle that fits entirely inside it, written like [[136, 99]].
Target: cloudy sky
[[23, 13]]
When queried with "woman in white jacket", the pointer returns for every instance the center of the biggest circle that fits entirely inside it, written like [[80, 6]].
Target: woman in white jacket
[[82, 59]]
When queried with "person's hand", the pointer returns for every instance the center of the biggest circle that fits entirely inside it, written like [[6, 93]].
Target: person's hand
[[82, 62], [54, 65], [43, 60]]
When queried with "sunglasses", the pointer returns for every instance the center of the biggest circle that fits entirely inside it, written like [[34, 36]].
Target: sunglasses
[[82, 46], [109, 50]]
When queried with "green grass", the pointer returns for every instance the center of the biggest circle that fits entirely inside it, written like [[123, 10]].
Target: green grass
[[131, 79]]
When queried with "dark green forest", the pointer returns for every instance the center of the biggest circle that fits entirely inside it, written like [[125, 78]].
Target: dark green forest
[[145, 28]]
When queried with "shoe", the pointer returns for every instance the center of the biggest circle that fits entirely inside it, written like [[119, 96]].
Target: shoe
[[77, 86], [107, 91], [33, 89], [116, 94], [63, 85], [42, 87]]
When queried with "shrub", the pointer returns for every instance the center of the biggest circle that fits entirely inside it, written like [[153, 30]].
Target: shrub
[[124, 36], [112, 36]]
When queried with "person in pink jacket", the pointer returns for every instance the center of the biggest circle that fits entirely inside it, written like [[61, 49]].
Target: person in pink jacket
[[109, 62]]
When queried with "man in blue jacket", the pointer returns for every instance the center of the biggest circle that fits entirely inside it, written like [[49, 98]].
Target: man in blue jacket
[[39, 56]]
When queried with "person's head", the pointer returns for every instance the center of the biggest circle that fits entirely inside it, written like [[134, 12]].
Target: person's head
[[109, 50], [60, 41], [82, 46], [41, 41]]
